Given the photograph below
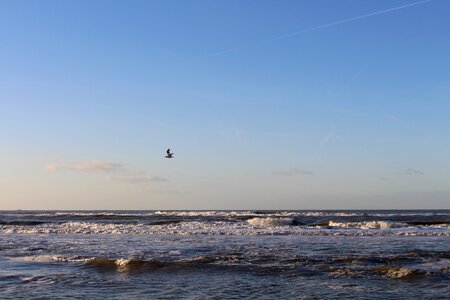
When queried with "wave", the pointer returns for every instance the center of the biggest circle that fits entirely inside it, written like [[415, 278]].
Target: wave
[[387, 271], [51, 258], [252, 226], [430, 223], [22, 223], [257, 213], [219, 213], [137, 264], [367, 225], [94, 215], [69, 213], [123, 265], [265, 263], [117, 216], [394, 272], [271, 222], [165, 222]]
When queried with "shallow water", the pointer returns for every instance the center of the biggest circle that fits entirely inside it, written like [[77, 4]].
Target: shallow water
[[233, 255]]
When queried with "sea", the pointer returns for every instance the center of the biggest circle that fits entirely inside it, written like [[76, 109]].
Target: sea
[[313, 254]]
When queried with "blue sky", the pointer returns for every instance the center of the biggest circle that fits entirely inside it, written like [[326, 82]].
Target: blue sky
[[354, 114]]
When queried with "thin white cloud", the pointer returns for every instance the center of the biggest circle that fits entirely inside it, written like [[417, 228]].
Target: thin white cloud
[[135, 177], [330, 136], [411, 171], [293, 172], [51, 168], [325, 139], [95, 166], [112, 170]]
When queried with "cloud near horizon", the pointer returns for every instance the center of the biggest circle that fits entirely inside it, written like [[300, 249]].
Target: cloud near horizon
[[135, 177], [292, 172], [410, 171], [115, 171]]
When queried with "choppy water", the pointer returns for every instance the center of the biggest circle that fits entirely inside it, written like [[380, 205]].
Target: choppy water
[[225, 254]]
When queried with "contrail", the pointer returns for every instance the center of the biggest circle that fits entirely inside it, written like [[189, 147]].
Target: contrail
[[290, 35], [328, 137]]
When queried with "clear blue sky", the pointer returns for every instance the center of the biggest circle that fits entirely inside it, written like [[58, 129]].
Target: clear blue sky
[[264, 107]]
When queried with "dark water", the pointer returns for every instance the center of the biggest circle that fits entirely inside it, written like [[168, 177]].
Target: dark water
[[223, 254]]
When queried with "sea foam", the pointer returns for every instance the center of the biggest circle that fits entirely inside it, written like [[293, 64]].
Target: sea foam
[[252, 226], [368, 225], [271, 222]]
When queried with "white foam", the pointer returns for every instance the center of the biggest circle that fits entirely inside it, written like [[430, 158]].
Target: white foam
[[122, 264], [314, 214], [218, 213], [254, 226], [50, 258], [368, 224], [37, 258], [270, 222], [397, 273]]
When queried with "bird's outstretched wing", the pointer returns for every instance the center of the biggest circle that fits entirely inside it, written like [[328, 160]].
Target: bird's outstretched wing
[[168, 151]]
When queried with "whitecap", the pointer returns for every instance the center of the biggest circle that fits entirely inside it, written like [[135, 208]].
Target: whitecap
[[368, 225], [271, 222]]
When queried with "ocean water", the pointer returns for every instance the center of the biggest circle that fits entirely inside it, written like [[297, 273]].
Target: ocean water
[[388, 254]]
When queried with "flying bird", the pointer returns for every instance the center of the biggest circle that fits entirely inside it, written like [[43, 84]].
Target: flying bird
[[169, 155]]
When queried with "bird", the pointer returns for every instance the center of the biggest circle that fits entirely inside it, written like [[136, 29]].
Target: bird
[[169, 155]]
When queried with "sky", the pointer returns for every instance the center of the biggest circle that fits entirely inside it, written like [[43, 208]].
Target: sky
[[305, 104]]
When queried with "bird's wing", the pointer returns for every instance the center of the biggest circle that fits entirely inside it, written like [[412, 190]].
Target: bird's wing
[[168, 151]]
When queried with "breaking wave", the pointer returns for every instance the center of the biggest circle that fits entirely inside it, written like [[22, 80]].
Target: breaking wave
[[133, 264], [271, 222], [368, 225], [123, 265], [394, 272], [253, 226], [345, 266]]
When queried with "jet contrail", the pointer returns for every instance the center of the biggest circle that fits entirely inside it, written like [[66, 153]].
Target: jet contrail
[[290, 35]]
